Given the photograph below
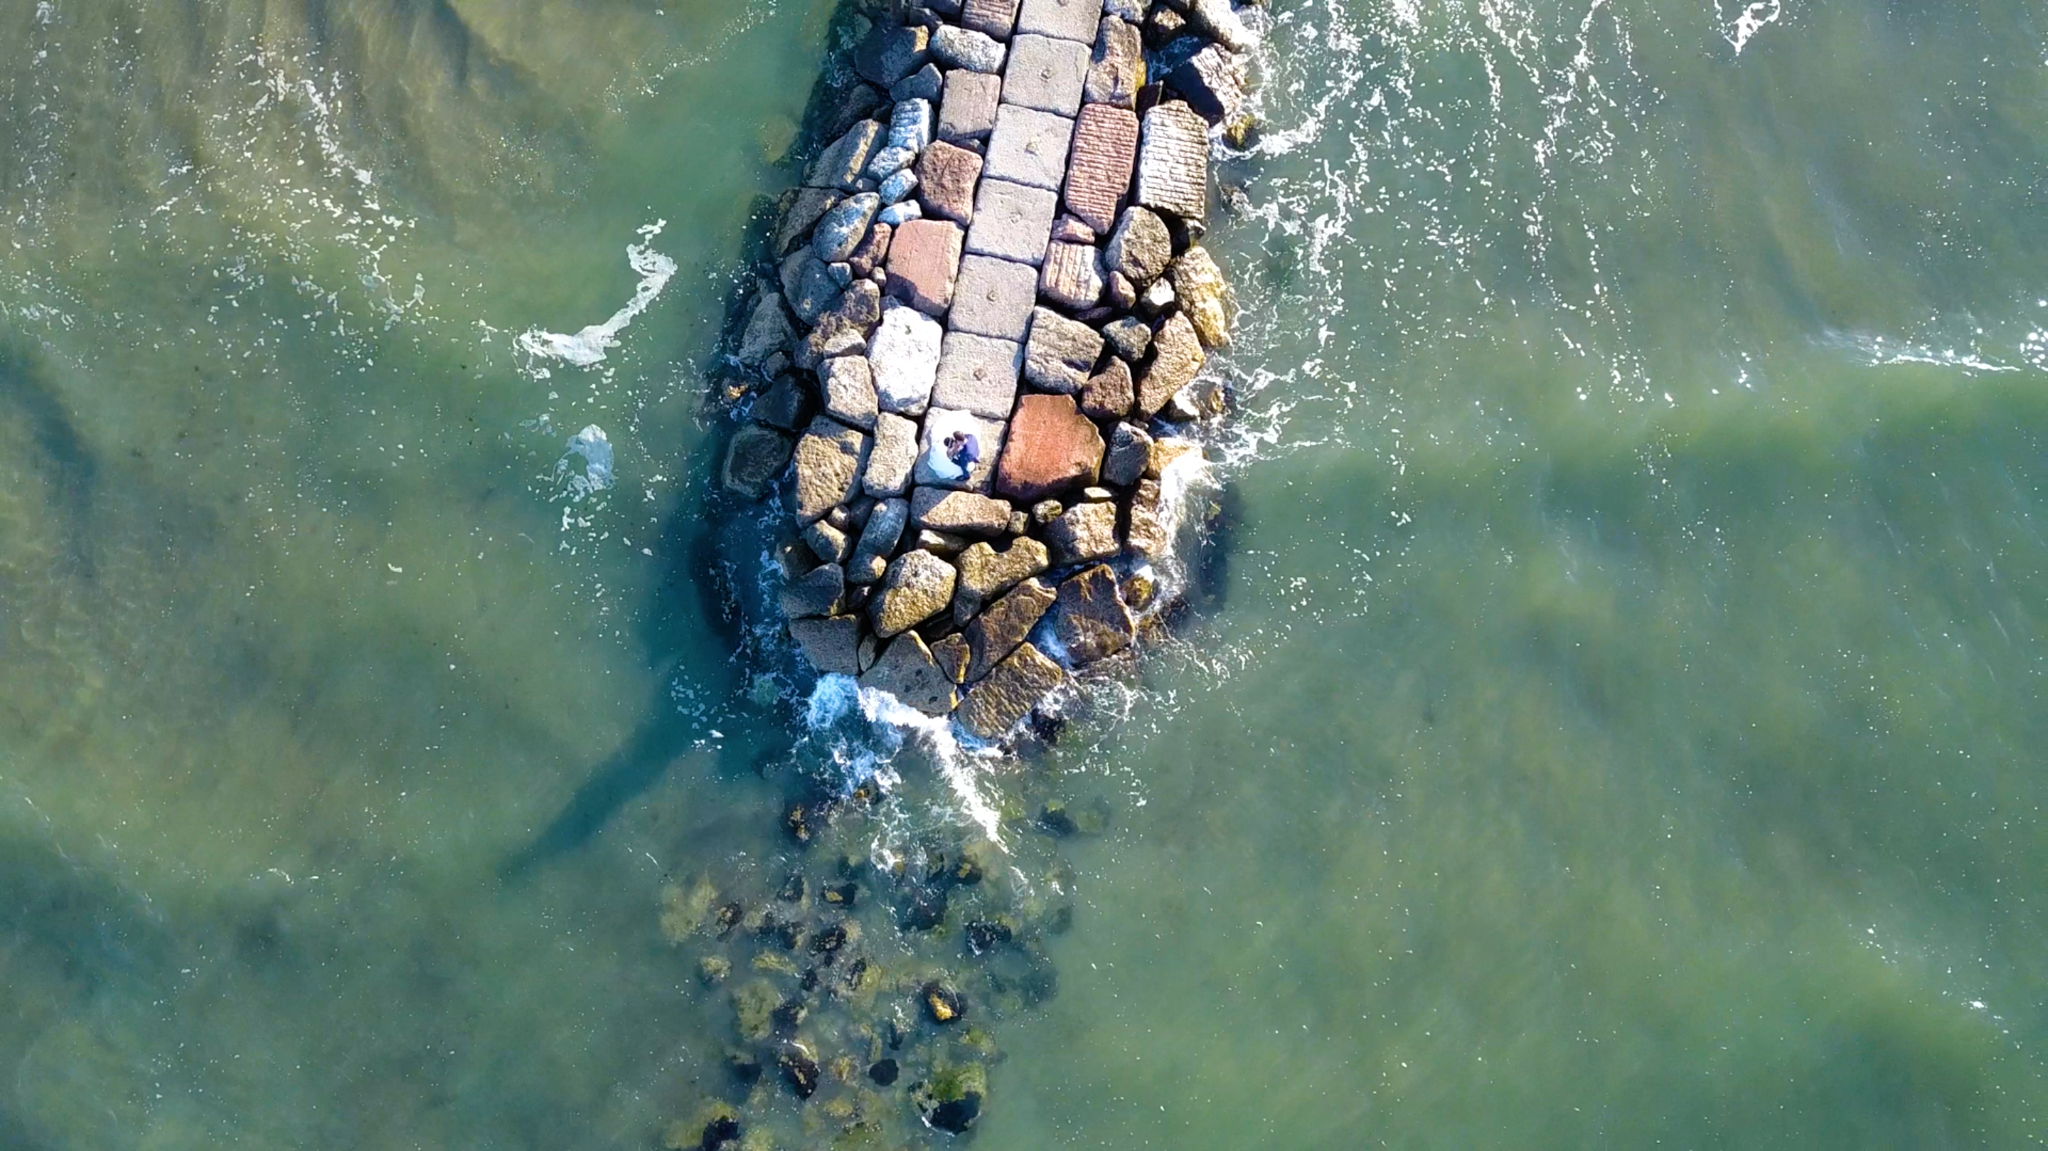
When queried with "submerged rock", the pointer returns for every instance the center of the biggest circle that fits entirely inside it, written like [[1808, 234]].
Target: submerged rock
[[754, 459], [951, 1099], [941, 1003]]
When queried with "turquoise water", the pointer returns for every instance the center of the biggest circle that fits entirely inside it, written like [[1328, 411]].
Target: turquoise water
[[1608, 714]]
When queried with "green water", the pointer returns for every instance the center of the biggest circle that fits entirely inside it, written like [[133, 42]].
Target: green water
[[1610, 717]]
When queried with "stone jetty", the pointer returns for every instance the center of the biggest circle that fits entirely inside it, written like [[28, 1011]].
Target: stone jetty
[[981, 341]]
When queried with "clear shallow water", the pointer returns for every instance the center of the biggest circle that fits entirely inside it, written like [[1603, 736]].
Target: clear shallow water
[[1611, 717]]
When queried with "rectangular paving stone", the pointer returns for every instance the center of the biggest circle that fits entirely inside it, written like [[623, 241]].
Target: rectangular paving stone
[[1029, 147], [1099, 170], [993, 298], [1173, 161], [924, 257], [1046, 74], [935, 470], [1011, 221], [1066, 19], [967, 110], [978, 374], [990, 17]]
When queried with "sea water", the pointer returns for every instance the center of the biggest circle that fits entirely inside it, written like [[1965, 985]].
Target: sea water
[[1607, 711]]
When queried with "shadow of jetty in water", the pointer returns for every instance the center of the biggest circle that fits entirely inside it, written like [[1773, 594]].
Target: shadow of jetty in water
[[73, 471]]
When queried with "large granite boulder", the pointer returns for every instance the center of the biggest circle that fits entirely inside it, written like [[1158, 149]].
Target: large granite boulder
[[769, 331], [754, 460], [1177, 356], [1003, 625], [831, 644], [946, 179], [1116, 69], [904, 352], [1147, 534], [918, 586], [893, 455], [829, 460], [1217, 20], [1204, 295], [1109, 393], [986, 573], [1092, 621], [845, 226], [1213, 82], [959, 513], [890, 52], [840, 165], [816, 592], [784, 404], [1129, 337], [907, 670], [805, 209], [1140, 248], [1061, 353], [965, 48], [1009, 693], [849, 390], [878, 539], [1083, 533], [1052, 447], [1129, 450]]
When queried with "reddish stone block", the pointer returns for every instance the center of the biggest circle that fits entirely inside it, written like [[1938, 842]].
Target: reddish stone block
[[924, 259], [1052, 447], [1099, 168]]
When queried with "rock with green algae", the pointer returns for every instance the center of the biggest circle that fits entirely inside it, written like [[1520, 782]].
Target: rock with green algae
[[754, 1004], [951, 1098]]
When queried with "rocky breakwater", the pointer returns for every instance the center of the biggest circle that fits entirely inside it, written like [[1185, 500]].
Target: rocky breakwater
[[981, 342]]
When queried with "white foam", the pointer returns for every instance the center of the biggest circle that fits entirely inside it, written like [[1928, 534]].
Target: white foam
[[588, 347], [594, 449], [1753, 18]]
